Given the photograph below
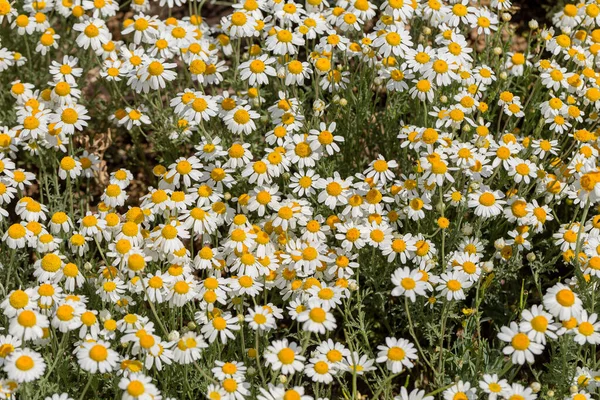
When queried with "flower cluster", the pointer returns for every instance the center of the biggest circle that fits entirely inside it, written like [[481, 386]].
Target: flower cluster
[[303, 200]]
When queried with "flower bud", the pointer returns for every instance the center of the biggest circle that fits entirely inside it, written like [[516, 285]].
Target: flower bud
[[499, 244], [282, 379], [104, 315], [530, 257], [536, 387], [440, 207], [498, 51], [426, 30], [573, 389], [550, 393], [87, 266], [488, 266], [467, 229], [191, 325], [377, 81], [533, 25], [503, 75], [353, 286], [227, 196], [173, 336], [443, 99], [506, 17]]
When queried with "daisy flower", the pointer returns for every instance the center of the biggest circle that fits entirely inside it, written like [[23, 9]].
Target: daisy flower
[[189, 348], [97, 357], [317, 319], [538, 324], [493, 386], [408, 283], [241, 120], [452, 285], [24, 365], [28, 325], [588, 329], [562, 302], [520, 346], [397, 354], [94, 34], [256, 71], [284, 42], [284, 356], [486, 202], [221, 327], [460, 390], [66, 70], [137, 386]]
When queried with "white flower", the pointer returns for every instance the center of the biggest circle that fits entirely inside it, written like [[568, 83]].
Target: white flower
[[397, 354], [520, 346]]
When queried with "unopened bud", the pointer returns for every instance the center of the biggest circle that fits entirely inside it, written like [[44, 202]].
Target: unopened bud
[[536, 387], [426, 30], [282, 379], [530, 257], [343, 102], [104, 315], [498, 51], [467, 230], [191, 325], [506, 17], [503, 75], [173, 336], [533, 25], [573, 389], [443, 99], [440, 207], [488, 266]]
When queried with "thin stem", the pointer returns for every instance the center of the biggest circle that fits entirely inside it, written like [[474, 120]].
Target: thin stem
[[414, 336], [87, 386]]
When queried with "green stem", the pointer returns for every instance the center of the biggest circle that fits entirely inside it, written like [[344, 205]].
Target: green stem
[[87, 386]]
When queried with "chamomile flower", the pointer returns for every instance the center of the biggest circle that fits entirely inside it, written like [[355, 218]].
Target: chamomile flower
[[520, 347], [24, 365], [397, 354], [284, 356]]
